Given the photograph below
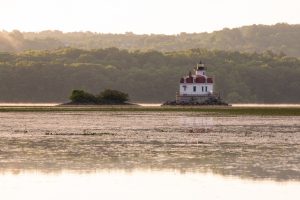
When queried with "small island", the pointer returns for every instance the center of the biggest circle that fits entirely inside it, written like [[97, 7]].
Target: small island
[[106, 97]]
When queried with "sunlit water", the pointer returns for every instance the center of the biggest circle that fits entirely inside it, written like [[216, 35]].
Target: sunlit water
[[28, 104], [150, 105], [267, 105], [148, 155], [141, 185]]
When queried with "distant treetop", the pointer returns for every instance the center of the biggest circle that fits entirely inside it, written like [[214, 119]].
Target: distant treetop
[[256, 38]]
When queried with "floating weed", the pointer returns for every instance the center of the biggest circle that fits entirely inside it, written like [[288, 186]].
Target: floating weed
[[104, 133], [80, 134], [160, 130], [21, 131], [198, 130]]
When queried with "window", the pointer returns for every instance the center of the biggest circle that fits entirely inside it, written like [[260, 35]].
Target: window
[[194, 88], [184, 88], [205, 88], [202, 88]]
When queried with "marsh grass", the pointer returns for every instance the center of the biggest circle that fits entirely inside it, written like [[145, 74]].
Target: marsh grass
[[211, 110]]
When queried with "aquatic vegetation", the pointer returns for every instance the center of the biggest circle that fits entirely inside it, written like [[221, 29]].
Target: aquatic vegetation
[[205, 110], [265, 147]]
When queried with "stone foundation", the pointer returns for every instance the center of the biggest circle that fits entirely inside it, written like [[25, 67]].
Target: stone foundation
[[193, 99], [197, 100]]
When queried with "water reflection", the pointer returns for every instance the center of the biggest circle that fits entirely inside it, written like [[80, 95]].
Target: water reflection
[[140, 185], [246, 146]]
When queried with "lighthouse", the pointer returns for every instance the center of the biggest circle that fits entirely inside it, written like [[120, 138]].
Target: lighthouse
[[196, 87]]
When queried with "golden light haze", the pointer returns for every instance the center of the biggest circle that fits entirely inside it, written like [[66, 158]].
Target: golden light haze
[[147, 16]]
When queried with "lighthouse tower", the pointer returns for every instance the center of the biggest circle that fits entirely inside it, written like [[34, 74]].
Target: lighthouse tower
[[196, 87]]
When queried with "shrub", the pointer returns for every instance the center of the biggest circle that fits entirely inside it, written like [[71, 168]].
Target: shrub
[[106, 97], [80, 96], [112, 97]]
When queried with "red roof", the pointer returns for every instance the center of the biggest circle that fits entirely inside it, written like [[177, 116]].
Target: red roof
[[197, 79], [200, 79], [209, 80], [189, 79]]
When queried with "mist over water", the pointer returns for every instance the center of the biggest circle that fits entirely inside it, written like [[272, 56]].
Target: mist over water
[[28, 104], [151, 105], [267, 105]]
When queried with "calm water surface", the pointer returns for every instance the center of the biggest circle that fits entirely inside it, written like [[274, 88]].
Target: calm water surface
[[141, 185], [148, 153]]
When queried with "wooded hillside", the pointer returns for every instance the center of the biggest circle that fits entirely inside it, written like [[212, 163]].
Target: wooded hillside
[[50, 76], [256, 38]]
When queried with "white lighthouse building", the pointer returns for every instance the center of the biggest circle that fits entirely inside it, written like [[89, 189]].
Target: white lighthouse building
[[196, 87]]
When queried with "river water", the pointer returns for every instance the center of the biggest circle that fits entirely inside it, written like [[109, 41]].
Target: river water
[[148, 155]]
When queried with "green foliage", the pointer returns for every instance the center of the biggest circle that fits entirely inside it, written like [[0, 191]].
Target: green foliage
[[112, 97], [49, 76], [80, 96], [105, 97], [280, 38]]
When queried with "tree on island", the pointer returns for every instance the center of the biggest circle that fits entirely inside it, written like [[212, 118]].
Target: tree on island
[[105, 97], [112, 97], [80, 96]]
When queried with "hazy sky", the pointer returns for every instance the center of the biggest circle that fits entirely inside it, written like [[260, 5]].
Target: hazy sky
[[144, 16]]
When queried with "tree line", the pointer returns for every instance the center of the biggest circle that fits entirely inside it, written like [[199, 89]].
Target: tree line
[[147, 76], [106, 97], [279, 38]]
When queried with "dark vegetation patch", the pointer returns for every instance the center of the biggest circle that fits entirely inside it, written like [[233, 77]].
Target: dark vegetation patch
[[106, 97], [203, 110]]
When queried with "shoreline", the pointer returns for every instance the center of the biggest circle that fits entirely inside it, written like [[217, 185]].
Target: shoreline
[[52, 104]]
